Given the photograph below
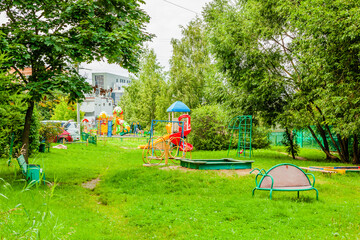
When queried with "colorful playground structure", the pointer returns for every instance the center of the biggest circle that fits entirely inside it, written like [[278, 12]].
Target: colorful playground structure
[[112, 125], [173, 144]]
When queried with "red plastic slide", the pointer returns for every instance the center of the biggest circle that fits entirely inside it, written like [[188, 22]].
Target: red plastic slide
[[175, 138]]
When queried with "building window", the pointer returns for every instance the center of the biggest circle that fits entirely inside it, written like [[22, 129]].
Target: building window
[[119, 88], [117, 80], [99, 81], [109, 104]]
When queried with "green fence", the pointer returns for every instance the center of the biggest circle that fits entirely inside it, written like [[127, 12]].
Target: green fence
[[303, 138], [88, 137]]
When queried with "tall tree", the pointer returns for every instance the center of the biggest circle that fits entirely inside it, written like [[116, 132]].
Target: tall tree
[[329, 44], [147, 97], [294, 61], [66, 111], [52, 36], [193, 72]]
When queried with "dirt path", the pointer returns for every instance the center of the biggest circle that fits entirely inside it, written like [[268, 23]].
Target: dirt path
[[91, 184]]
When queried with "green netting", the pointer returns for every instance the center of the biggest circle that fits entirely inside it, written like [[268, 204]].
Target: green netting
[[303, 138], [87, 136]]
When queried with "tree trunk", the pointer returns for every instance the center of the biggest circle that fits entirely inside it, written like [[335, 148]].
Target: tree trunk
[[26, 132], [329, 156], [323, 136], [356, 152], [290, 137], [344, 147]]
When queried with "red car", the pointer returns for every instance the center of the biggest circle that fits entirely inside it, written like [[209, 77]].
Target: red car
[[63, 136]]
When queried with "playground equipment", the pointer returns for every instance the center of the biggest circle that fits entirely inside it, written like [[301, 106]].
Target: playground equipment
[[284, 177], [121, 127], [215, 164], [86, 124], [244, 125], [335, 169], [103, 120], [135, 127], [112, 125], [172, 145]]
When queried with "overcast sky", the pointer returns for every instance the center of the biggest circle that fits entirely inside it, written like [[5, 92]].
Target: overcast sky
[[166, 17]]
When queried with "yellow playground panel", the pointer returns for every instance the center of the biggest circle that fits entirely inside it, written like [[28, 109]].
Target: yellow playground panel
[[334, 169]]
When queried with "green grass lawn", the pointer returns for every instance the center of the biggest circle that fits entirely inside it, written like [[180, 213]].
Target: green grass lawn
[[136, 202]]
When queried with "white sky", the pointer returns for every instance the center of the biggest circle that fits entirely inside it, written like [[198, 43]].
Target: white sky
[[164, 23]]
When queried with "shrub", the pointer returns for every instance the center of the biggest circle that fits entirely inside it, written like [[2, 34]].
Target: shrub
[[260, 137], [12, 109], [49, 131], [209, 128]]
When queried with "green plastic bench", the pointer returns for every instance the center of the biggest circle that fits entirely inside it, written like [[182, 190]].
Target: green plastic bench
[[32, 172], [284, 177]]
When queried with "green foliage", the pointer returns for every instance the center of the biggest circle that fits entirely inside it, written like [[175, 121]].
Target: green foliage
[[46, 106], [12, 109], [53, 37], [49, 131], [290, 144], [65, 110], [292, 64], [194, 77], [209, 128], [260, 137], [147, 97]]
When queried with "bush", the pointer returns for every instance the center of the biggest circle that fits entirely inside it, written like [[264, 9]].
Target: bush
[[12, 110], [260, 137], [209, 128]]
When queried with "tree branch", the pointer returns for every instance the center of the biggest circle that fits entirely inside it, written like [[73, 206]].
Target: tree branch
[[20, 74], [9, 14], [290, 59]]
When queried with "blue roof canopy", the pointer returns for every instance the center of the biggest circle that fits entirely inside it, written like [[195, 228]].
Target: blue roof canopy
[[178, 106]]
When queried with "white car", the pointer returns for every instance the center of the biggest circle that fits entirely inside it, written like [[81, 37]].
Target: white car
[[69, 126], [72, 128]]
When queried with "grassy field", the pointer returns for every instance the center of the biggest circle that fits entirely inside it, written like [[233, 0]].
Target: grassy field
[[136, 202]]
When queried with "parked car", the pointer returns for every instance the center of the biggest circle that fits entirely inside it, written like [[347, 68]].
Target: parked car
[[64, 136], [71, 132]]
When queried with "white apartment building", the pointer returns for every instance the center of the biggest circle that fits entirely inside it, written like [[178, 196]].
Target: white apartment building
[[111, 81], [96, 103]]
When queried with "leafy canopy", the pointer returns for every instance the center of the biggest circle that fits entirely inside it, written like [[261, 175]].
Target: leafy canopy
[[49, 35]]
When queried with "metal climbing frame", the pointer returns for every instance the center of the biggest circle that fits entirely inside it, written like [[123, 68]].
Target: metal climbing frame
[[244, 125]]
